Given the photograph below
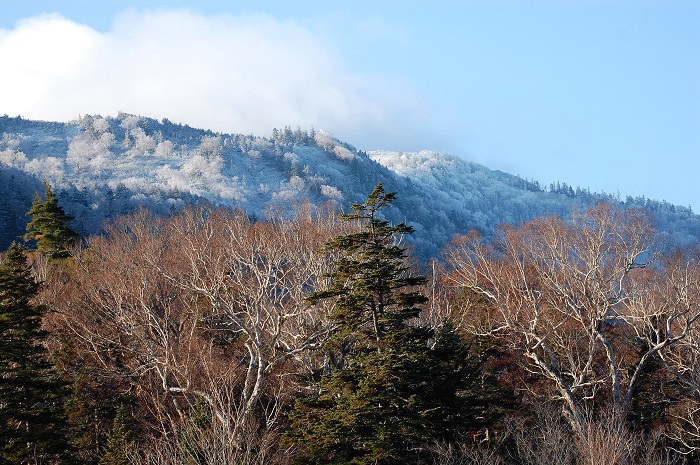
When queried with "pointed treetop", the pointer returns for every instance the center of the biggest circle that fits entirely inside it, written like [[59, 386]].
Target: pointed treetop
[[376, 200], [49, 226], [16, 281]]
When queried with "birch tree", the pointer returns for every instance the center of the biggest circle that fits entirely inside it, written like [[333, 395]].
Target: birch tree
[[206, 306], [587, 303]]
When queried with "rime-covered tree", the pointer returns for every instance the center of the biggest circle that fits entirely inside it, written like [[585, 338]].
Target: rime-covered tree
[[394, 387], [49, 226], [30, 402]]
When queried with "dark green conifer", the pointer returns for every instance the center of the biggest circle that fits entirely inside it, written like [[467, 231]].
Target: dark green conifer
[[31, 418], [191, 439], [396, 387], [121, 440], [49, 226]]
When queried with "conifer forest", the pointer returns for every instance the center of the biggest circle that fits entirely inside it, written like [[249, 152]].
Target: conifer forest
[[313, 336]]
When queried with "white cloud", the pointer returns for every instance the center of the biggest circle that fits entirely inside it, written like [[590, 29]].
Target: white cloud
[[226, 73]]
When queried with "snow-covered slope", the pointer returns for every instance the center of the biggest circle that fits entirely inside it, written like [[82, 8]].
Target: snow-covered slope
[[103, 167]]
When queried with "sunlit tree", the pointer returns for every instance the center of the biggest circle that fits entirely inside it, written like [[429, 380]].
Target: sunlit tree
[[49, 226]]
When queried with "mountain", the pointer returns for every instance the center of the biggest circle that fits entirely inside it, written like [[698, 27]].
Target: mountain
[[103, 167]]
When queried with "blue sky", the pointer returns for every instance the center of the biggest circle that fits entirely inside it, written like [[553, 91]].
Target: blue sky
[[597, 94]]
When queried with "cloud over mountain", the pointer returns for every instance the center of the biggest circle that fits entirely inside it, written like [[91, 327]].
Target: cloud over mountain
[[228, 73]]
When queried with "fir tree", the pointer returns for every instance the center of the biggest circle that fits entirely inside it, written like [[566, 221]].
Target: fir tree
[[31, 421], [121, 441], [191, 439], [49, 226], [396, 387]]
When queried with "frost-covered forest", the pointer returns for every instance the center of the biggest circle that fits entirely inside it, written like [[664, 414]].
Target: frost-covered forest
[[103, 167]]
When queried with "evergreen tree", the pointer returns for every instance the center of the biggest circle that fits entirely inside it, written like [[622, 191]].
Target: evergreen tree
[[395, 387], [191, 438], [121, 441], [49, 226], [30, 403]]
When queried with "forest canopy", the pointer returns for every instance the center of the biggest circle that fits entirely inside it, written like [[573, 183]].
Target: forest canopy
[[312, 336]]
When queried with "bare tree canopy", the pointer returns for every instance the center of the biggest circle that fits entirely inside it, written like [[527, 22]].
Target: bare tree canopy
[[587, 303]]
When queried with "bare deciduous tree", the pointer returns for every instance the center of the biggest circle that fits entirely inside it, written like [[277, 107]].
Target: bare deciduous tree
[[579, 300], [679, 308], [206, 306], [254, 277]]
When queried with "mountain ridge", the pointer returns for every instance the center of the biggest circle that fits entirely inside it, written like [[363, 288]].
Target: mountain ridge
[[102, 167]]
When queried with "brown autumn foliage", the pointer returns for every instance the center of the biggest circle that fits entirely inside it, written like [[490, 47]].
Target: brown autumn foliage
[[204, 308], [587, 304], [199, 322]]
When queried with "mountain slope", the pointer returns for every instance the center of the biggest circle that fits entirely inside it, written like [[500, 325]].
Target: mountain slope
[[103, 167]]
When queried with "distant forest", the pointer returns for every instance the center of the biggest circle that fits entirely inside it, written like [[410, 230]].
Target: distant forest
[[104, 167], [309, 336]]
